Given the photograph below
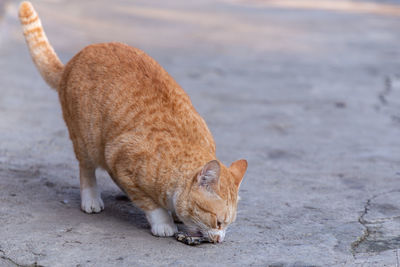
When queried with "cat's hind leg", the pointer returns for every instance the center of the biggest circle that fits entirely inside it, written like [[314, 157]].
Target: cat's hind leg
[[91, 201], [161, 222]]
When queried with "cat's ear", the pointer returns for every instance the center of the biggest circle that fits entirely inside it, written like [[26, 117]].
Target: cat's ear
[[208, 177], [238, 169]]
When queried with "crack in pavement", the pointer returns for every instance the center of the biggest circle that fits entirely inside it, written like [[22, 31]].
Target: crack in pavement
[[363, 222], [20, 265], [4, 257], [371, 226]]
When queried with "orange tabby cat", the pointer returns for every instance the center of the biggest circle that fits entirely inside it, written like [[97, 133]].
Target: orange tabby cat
[[126, 115]]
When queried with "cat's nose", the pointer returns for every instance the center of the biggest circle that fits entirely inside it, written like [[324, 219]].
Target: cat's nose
[[217, 238]]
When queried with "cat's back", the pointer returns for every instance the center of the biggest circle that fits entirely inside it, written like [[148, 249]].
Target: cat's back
[[112, 88], [111, 80], [113, 64]]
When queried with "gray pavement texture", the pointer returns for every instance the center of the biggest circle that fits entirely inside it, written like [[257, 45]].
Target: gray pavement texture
[[309, 96]]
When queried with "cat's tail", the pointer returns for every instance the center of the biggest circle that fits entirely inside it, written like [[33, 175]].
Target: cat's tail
[[43, 55]]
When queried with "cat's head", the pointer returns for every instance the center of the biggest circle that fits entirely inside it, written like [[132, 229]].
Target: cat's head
[[210, 204]]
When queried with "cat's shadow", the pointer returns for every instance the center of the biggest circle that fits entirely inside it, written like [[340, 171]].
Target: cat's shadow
[[118, 206], [43, 182], [58, 195]]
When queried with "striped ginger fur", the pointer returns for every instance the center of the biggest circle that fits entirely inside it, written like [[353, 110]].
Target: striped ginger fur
[[43, 55], [127, 115]]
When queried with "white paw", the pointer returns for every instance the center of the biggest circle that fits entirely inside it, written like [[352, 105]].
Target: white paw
[[91, 201], [164, 229], [161, 222]]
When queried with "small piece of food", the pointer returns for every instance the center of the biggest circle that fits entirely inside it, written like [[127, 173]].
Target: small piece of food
[[191, 240]]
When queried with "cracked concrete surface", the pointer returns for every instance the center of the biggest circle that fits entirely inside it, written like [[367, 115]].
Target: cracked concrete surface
[[310, 96], [367, 232], [381, 219]]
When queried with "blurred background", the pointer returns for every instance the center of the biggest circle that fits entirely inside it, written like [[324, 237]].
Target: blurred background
[[308, 91]]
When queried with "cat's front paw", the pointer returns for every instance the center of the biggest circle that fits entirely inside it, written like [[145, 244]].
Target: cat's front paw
[[164, 229], [91, 201], [161, 222]]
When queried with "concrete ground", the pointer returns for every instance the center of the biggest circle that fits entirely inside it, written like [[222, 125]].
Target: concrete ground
[[307, 91]]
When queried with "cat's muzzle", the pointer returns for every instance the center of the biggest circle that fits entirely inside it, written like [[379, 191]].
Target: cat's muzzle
[[217, 236]]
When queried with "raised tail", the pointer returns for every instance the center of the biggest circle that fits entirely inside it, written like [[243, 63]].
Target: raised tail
[[43, 55]]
